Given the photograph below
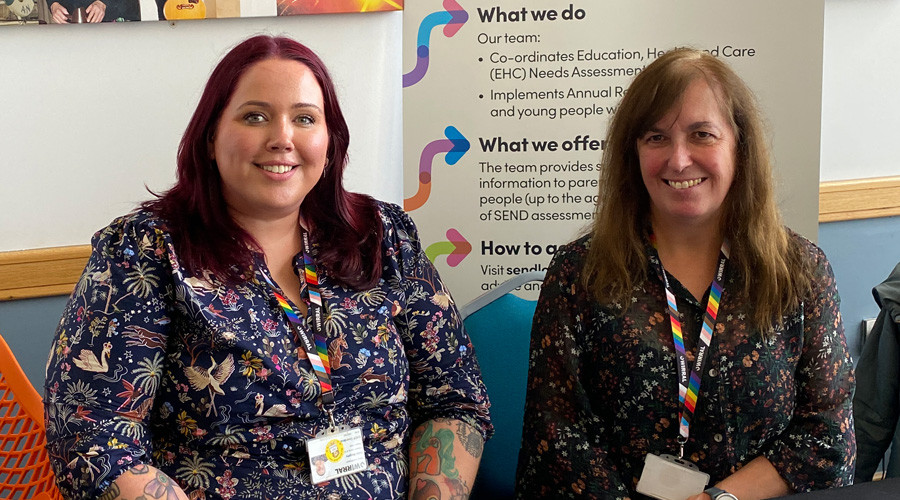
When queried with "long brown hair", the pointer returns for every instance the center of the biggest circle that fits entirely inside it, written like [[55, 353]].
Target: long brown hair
[[776, 276]]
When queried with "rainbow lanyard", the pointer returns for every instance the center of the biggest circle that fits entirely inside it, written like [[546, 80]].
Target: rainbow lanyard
[[689, 383], [314, 344]]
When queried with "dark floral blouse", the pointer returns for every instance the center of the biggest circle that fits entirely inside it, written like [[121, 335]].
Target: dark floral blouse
[[130, 375], [603, 390]]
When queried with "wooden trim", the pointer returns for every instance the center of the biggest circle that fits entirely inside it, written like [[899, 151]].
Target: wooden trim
[[45, 272], [41, 272], [859, 199]]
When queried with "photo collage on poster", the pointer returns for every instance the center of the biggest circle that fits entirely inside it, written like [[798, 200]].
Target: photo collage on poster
[[17, 12]]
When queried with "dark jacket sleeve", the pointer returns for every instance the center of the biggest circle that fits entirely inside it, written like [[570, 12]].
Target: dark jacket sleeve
[[876, 404]]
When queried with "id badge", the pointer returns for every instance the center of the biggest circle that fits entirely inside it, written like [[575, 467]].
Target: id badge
[[336, 452], [667, 477]]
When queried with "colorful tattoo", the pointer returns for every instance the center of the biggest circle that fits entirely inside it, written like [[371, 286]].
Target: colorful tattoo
[[161, 487], [426, 489], [459, 490], [433, 453]]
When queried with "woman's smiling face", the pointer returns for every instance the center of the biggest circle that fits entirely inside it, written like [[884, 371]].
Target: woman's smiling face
[[271, 141], [687, 159]]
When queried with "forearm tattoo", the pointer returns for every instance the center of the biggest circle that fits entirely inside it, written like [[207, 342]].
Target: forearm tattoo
[[111, 493], [470, 439], [159, 487], [433, 452], [428, 489]]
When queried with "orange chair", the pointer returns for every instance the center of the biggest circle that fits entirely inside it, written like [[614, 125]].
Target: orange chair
[[25, 470]]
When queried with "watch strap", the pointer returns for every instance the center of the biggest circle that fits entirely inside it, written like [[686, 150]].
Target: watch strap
[[717, 493]]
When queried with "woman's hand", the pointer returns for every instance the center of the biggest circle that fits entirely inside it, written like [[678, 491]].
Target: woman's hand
[[58, 13], [95, 12]]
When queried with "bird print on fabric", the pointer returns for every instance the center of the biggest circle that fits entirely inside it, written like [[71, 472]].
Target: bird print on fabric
[[211, 378], [88, 361]]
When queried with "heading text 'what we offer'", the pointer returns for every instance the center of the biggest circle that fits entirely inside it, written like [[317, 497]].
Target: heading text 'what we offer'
[[579, 143]]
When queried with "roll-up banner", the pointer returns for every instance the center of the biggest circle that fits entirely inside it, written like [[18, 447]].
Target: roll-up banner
[[506, 105]]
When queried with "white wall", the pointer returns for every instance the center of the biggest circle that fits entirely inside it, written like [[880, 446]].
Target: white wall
[[861, 89], [92, 113]]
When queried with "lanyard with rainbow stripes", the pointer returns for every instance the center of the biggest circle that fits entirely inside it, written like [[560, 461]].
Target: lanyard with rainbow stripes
[[314, 344], [689, 383]]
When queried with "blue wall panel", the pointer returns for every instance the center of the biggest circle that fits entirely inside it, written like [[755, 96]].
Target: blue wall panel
[[862, 253], [28, 327]]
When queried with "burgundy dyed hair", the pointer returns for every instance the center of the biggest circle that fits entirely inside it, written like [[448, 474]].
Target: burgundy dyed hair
[[346, 226]]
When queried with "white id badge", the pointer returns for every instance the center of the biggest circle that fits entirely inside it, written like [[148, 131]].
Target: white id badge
[[335, 453], [667, 477]]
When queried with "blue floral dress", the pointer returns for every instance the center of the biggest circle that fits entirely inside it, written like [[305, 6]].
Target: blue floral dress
[[206, 381], [603, 386]]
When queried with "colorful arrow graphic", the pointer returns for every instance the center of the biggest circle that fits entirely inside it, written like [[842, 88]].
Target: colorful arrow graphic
[[455, 249], [452, 18], [455, 145]]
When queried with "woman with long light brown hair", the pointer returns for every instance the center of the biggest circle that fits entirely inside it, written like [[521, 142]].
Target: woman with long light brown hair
[[689, 334]]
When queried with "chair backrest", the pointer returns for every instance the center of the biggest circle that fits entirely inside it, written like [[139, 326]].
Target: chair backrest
[[499, 324], [25, 471]]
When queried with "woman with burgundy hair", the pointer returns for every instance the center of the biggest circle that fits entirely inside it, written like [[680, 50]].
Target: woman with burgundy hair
[[257, 318]]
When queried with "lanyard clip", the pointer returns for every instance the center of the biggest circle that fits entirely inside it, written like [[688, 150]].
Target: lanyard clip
[[681, 441], [331, 419]]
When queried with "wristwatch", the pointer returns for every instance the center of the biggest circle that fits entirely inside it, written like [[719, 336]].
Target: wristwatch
[[719, 494]]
